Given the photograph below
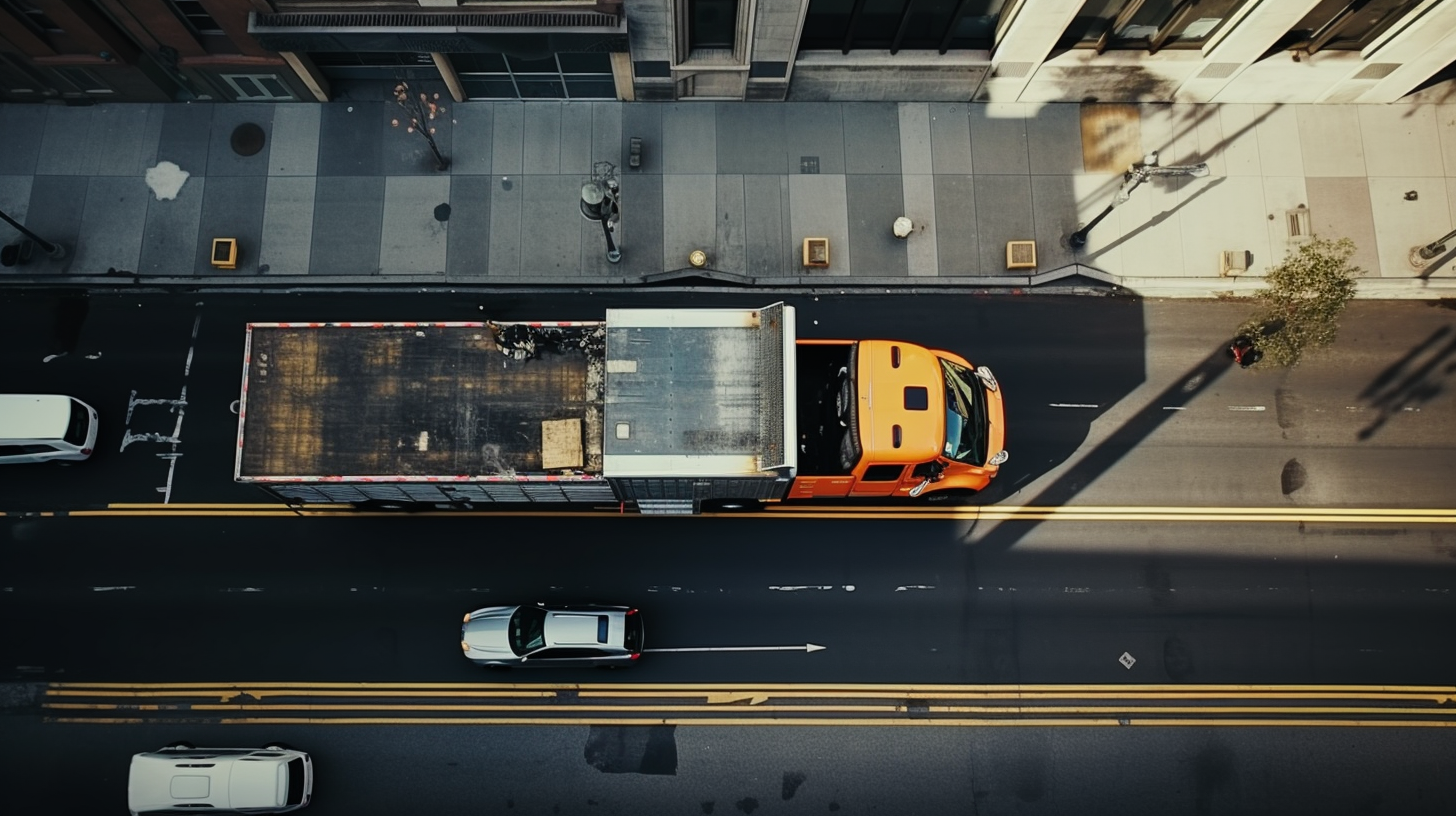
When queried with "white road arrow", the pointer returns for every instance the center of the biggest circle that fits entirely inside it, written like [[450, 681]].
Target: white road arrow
[[807, 647]]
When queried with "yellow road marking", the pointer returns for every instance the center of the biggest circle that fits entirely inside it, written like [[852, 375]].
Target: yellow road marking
[[703, 688], [685, 709], [791, 721]]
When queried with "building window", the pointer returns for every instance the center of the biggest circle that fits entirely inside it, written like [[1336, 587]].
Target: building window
[[1345, 25], [258, 87], [939, 25], [1150, 24], [712, 23], [195, 16], [560, 76]]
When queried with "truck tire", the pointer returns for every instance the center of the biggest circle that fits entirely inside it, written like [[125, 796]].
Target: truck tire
[[732, 506], [952, 497]]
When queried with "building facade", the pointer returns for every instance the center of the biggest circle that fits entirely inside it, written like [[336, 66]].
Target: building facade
[[1270, 51]]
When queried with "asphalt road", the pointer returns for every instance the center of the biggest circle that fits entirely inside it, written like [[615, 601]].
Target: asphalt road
[[894, 601], [1110, 402], [726, 771]]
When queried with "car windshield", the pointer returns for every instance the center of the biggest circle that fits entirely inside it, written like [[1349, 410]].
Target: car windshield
[[528, 629], [965, 415]]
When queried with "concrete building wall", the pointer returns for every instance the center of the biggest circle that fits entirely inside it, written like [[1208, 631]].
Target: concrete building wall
[[910, 76]]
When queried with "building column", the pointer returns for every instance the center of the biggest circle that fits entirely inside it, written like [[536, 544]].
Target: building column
[[308, 74]]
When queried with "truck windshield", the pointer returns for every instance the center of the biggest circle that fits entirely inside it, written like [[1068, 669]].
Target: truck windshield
[[965, 415], [528, 629]]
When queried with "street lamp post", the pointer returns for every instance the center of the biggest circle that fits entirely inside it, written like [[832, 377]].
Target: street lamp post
[[54, 250], [601, 202], [1131, 180]]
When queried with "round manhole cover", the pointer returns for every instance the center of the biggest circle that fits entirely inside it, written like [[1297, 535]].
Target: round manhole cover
[[248, 139]]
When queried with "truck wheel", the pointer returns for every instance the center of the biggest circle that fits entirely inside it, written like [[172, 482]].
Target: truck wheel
[[732, 506], [953, 496]]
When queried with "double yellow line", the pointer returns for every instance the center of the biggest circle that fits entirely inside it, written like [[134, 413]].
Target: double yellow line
[[751, 704], [1308, 515]]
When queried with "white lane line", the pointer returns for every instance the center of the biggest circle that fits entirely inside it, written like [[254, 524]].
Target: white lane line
[[798, 588], [807, 647], [111, 588], [1246, 407], [913, 586], [1074, 405]]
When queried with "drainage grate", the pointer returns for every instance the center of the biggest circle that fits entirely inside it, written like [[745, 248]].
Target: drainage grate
[[1219, 70], [808, 165]]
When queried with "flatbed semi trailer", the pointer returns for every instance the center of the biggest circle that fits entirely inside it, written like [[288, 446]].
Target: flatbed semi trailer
[[669, 411]]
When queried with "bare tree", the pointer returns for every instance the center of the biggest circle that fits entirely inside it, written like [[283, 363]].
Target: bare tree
[[1306, 293], [421, 110]]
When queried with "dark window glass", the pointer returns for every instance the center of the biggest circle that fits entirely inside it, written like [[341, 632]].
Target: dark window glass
[[712, 23], [196, 16], [977, 25], [567, 654], [917, 398], [79, 424], [1146, 23], [927, 23], [295, 781], [883, 473], [274, 87], [825, 24], [11, 450], [1347, 25], [533, 66], [877, 23], [39, 448], [657, 69], [491, 88], [541, 88], [479, 63], [527, 629], [591, 88], [585, 63]]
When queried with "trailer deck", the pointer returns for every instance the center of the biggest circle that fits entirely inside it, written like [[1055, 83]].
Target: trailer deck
[[400, 402]]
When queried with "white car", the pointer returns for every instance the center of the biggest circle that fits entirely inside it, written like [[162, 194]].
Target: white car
[[45, 428], [184, 779], [552, 635]]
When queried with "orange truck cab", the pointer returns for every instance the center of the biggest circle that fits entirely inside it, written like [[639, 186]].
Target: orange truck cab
[[882, 418]]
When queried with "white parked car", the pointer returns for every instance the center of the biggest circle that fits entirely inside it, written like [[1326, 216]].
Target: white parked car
[[44, 428], [184, 779]]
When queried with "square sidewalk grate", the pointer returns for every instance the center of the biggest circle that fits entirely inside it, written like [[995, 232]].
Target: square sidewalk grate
[[808, 165]]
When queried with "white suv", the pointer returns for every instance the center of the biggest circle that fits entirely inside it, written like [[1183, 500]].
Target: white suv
[[184, 779]]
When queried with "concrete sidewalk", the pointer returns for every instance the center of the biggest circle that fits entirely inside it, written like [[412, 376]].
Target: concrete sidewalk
[[336, 195]]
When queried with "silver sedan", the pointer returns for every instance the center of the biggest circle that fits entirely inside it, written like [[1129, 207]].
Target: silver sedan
[[549, 635]]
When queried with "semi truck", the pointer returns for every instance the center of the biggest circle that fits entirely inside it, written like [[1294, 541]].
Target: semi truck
[[665, 411]]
